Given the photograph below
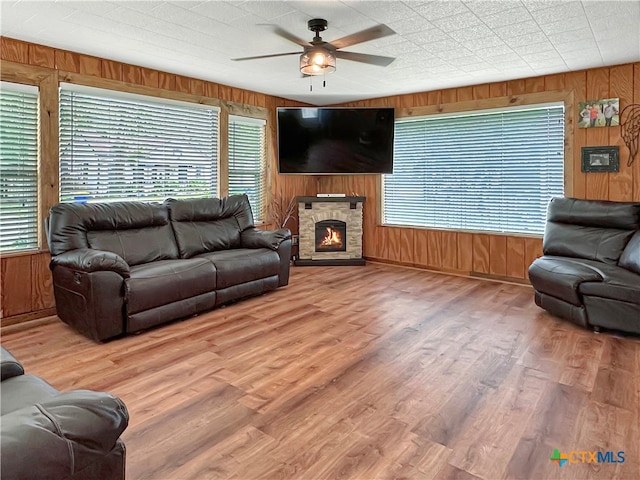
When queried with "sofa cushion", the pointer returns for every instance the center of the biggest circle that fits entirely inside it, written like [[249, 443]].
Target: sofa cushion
[[617, 283], [209, 224], [594, 213], [70, 223], [159, 283], [136, 245], [630, 258], [592, 243], [615, 290], [561, 277], [243, 265]]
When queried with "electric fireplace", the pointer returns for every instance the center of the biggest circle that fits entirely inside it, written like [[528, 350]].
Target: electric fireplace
[[330, 231]]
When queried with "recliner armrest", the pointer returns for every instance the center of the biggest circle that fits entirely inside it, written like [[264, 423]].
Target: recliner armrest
[[90, 260], [256, 238], [62, 435], [9, 365]]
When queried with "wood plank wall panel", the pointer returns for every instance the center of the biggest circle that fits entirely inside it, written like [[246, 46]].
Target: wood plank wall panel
[[26, 289], [420, 247], [597, 88], [449, 242], [621, 86], [42, 56], [25, 281], [41, 283], [635, 166], [14, 50], [499, 255], [464, 252], [16, 282], [481, 261], [515, 257], [577, 81], [434, 248]]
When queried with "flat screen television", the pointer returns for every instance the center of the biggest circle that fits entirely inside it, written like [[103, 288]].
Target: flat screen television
[[335, 141]]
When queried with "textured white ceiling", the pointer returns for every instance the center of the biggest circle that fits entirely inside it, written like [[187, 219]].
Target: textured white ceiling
[[439, 44]]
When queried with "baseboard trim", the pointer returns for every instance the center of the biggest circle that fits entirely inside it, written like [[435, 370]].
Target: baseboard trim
[[330, 263], [27, 317]]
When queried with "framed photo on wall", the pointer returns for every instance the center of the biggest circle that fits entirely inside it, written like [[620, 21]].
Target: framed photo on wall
[[600, 159], [599, 113]]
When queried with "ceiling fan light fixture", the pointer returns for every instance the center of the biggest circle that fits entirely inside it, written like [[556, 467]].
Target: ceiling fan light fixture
[[319, 61]]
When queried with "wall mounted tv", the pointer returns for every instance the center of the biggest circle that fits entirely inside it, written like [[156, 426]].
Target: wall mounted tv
[[335, 141]]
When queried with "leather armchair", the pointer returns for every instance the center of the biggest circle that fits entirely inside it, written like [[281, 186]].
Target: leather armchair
[[47, 434]]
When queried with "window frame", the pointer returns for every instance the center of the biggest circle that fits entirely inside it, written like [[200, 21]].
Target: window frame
[[46, 81], [498, 103]]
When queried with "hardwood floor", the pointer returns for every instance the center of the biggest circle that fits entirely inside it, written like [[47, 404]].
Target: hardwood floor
[[361, 373]]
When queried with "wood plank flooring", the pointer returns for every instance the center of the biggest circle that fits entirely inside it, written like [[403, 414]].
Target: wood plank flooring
[[376, 372]]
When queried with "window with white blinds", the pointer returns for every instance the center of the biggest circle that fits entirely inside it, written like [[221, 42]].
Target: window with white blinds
[[18, 167], [115, 147], [247, 161], [489, 171]]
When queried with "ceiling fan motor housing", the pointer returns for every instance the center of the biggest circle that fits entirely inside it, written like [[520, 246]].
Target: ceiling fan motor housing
[[317, 25]]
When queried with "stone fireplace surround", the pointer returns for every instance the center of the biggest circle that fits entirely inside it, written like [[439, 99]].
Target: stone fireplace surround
[[312, 210]]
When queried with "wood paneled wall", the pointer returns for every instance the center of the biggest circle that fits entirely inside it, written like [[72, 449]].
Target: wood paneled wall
[[25, 279], [500, 256]]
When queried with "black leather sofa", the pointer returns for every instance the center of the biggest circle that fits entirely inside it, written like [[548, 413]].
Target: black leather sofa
[[127, 266], [47, 434], [590, 271]]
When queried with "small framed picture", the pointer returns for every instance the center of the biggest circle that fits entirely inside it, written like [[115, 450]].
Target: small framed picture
[[600, 159], [603, 112]]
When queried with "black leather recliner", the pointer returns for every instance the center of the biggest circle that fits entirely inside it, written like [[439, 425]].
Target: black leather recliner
[[590, 271], [48, 434]]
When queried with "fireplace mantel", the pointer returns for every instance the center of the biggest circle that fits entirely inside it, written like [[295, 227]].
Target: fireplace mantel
[[313, 210], [330, 199]]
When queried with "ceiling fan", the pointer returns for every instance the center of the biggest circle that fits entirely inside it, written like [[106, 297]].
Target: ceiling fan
[[319, 57]]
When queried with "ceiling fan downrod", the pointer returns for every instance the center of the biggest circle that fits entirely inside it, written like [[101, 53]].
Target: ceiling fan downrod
[[317, 25]]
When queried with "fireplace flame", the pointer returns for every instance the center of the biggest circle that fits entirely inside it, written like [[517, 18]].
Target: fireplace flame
[[332, 238]]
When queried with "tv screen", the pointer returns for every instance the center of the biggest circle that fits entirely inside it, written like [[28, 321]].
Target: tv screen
[[338, 141]]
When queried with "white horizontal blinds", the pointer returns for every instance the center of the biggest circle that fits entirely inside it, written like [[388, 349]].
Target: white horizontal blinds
[[493, 171], [123, 149], [18, 167], [247, 161]]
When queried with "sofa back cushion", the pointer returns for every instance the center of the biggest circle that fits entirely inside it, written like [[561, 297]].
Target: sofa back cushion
[[209, 224], [589, 229], [630, 258], [137, 231]]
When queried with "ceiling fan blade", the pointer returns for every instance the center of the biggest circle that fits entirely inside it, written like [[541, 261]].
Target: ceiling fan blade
[[266, 56], [372, 33], [365, 58], [286, 35]]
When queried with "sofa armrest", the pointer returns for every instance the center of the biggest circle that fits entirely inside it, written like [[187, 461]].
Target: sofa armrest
[[256, 238], [9, 366], [89, 260], [62, 435]]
